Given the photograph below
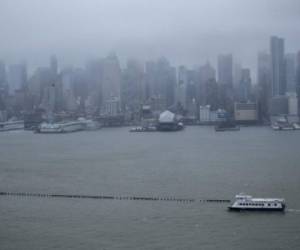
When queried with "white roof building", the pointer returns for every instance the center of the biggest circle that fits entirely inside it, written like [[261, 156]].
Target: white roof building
[[166, 117]]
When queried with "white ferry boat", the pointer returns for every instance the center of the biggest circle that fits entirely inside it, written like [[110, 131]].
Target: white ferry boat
[[246, 202], [66, 127], [89, 125], [11, 125]]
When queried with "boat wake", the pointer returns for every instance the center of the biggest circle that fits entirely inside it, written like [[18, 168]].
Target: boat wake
[[293, 210]]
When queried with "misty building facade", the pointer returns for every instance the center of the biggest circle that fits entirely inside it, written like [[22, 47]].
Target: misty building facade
[[277, 66], [133, 88], [207, 74], [17, 77], [290, 72], [225, 70], [160, 79], [245, 85], [264, 83], [111, 84]]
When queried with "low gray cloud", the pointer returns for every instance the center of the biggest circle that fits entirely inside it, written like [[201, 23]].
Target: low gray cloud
[[187, 32]]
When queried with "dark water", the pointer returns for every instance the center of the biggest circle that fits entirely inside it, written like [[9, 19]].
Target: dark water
[[196, 163]]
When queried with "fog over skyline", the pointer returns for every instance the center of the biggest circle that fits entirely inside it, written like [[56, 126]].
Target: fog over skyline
[[186, 32]]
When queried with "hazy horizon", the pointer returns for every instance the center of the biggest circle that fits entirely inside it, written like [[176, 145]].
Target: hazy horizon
[[187, 33]]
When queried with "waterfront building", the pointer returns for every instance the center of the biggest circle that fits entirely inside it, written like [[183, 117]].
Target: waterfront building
[[168, 121], [204, 114], [279, 105], [293, 104], [111, 107], [245, 112], [277, 66]]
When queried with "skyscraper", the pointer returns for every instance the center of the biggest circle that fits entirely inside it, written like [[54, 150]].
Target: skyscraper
[[111, 83], [133, 87], [2, 74], [298, 80], [245, 85], [277, 66], [17, 77], [225, 80], [206, 74], [161, 82], [290, 69], [264, 84], [53, 65], [181, 89], [225, 70]]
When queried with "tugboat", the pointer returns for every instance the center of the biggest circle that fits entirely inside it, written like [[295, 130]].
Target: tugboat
[[246, 202]]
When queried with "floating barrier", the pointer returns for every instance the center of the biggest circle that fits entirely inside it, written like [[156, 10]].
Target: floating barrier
[[106, 197]]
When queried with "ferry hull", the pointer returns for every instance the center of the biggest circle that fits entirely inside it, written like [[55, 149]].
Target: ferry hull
[[238, 209]]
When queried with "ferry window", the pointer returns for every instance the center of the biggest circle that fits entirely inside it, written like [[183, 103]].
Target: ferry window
[[269, 204], [275, 204]]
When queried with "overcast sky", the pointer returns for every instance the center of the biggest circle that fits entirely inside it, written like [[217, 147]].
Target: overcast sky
[[185, 31]]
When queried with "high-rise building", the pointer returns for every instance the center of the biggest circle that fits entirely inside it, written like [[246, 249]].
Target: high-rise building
[[277, 66], [206, 74], [237, 75], [181, 89], [2, 74], [111, 77], [133, 89], [160, 79], [225, 80], [245, 85], [53, 65], [68, 89], [17, 77], [42, 87], [290, 72], [225, 70], [111, 82], [298, 80], [2, 90], [94, 82], [264, 84]]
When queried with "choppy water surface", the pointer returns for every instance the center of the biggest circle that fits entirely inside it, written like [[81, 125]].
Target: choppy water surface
[[196, 163]]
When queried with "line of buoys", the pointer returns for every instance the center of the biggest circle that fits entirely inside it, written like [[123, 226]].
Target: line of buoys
[[215, 200], [106, 197]]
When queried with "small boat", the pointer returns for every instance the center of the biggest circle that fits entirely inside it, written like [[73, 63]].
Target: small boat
[[247, 202]]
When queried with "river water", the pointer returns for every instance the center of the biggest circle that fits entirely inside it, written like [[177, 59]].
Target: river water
[[195, 163]]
